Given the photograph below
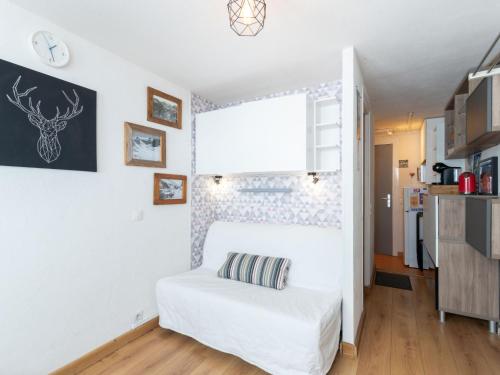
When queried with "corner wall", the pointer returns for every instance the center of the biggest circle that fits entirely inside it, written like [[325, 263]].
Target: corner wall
[[352, 197], [74, 267], [308, 204]]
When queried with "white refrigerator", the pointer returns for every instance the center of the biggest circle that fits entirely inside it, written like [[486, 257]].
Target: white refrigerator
[[413, 206]]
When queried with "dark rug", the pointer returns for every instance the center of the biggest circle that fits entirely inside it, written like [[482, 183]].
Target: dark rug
[[393, 280]]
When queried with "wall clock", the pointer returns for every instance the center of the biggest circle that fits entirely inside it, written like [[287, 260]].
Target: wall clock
[[51, 50]]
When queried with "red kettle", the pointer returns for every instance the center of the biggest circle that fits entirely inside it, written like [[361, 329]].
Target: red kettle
[[467, 183]]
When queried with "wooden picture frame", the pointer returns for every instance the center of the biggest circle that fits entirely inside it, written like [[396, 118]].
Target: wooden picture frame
[[177, 193], [172, 116], [131, 154]]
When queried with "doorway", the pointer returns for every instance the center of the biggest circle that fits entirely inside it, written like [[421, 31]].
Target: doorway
[[383, 199]]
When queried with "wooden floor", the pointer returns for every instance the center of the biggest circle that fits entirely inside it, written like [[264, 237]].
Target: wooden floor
[[402, 335], [395, 264]]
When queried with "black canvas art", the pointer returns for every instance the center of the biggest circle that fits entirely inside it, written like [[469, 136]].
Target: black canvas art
[[45, 122]]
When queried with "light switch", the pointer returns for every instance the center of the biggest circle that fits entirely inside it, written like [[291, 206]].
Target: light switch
[[137, 215]]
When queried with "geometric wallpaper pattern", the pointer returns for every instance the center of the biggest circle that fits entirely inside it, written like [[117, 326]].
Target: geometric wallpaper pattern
[[307, 204]]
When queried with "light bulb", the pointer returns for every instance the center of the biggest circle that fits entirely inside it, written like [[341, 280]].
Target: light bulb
[[247, 14]]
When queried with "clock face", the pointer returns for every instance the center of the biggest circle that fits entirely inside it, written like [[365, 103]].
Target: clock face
[[50, 49]]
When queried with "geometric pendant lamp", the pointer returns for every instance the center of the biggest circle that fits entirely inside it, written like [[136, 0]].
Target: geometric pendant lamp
[[246, 17]]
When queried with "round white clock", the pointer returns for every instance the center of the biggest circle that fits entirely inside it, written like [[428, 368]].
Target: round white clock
[[51, 50]]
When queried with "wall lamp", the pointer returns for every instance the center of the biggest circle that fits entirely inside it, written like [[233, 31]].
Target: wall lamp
[[315, 177], [217, 179]]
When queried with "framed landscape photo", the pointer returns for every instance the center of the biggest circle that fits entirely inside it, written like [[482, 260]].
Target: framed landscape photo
[[144, 147], [164, 109], [169, 189]]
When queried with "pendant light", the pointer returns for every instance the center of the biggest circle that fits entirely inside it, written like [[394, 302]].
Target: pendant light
[[246, 17]]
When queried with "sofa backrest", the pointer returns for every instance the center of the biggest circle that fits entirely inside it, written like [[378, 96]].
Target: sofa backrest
[[315, 253]]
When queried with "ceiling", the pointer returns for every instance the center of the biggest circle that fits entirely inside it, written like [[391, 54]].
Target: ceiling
[[413, 53]]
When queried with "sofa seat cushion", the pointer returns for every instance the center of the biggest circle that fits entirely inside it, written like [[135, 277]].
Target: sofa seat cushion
[[292, 331]]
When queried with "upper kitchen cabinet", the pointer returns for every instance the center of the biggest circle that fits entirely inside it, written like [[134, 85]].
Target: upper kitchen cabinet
[[434, 130], [286, 134], [473, 117]]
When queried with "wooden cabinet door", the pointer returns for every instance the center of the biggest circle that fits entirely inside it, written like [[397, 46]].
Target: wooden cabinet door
[[452, 218], [468, 281]]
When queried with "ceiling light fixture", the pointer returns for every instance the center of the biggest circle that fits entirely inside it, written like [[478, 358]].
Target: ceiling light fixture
[[246, 17]]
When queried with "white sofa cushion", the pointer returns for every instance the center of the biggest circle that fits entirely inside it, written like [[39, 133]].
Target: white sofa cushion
[[293, 331], [315, 253]]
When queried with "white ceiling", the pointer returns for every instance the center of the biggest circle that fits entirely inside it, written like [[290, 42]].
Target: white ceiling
[[413, 53]]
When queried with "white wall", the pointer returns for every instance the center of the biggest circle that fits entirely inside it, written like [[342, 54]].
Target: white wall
[[406, 146], [352, 198], [74, 267]]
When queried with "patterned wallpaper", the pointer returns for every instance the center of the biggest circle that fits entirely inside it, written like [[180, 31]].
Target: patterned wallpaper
[[307, 204]]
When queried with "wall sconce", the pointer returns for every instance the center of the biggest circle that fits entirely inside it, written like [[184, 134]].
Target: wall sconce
[[217, 179], [315, 177]]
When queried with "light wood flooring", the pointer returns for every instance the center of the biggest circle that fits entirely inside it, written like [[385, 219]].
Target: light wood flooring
[[395, 264], [402, 335]]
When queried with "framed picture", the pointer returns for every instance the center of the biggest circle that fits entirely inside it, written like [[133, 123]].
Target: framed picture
[[144, 147], [169, 189], [46, 122], [164, 109], [488, 184]]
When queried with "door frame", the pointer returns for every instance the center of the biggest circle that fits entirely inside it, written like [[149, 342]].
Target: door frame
[[368, 198]]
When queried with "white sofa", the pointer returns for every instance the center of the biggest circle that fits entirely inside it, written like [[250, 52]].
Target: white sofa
[[292, 331]]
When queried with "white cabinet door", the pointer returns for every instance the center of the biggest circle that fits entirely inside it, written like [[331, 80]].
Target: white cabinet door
[[430, 206], [255, 137], [434, 149], [432, 134]]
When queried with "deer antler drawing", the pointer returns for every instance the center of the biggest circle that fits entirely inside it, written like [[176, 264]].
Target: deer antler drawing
[[48, 145]]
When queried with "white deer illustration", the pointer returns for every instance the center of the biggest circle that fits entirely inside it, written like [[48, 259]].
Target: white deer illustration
[[48, 145]]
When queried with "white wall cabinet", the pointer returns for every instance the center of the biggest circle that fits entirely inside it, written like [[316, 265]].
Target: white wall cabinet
[[284, 134], [435, 149]]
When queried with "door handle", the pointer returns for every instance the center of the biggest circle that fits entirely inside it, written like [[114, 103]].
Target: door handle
[[388, 200]]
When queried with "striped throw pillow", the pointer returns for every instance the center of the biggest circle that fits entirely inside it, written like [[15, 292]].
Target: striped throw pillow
[[255, 269]]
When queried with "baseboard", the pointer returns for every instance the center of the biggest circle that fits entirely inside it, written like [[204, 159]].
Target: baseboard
[[361, 326], [103, 351], [374, 272], [351, 350]]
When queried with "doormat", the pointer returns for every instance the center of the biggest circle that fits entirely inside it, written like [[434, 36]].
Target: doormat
[[393, 280]]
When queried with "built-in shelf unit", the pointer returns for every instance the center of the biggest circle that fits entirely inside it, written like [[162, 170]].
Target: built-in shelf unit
[[326, 135], [288, 134]]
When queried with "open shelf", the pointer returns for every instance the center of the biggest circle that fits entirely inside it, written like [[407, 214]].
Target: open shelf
[[328, 125], [327, 146], [327, 111], [327, 159], [326, 129]]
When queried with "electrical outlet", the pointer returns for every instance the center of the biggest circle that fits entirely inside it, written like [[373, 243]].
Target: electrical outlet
[[138, 319]]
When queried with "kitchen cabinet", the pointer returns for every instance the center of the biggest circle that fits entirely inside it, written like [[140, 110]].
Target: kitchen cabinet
[[468, 281], [473, 116], [422, 144], [483, 225], [430, 240], [291, 133], [435, 149]]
